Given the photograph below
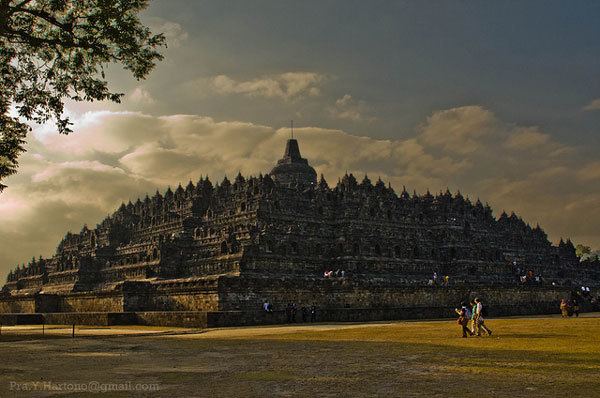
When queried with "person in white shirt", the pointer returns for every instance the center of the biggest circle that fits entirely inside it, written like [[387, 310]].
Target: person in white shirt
[[479, 321]]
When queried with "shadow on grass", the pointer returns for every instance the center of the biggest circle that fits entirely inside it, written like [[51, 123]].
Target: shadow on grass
[[530, 336], [375, 367], [28, 337], [523, 359]]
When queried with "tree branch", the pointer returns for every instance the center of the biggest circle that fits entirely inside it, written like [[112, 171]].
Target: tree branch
[[21, 4], [53, 42], [48, 18]]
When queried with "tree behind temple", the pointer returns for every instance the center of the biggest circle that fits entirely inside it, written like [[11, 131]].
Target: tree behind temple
[[581, 250]]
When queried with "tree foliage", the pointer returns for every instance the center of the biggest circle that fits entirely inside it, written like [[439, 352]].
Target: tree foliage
[[585, 253], [55, 50], [580, 250]]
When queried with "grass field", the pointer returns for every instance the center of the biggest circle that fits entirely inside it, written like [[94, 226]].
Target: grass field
[[538, 357]]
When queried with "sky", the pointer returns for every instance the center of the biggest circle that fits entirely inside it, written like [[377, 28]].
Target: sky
[[500, 100]]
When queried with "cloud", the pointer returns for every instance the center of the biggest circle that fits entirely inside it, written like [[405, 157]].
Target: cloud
[[348, 108], [141, 96], [526, 138], [49, 198], [594, 105], [287, 86], [459, 130], [102, 132], [590, 172], [174, 32], [530, 139], [65, 182]]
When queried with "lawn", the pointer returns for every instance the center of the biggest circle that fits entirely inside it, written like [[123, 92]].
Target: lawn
[[538, 357]]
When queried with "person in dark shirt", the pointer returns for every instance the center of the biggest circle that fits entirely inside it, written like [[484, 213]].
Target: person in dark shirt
[[463, 319], [294, 312], [576, 308]]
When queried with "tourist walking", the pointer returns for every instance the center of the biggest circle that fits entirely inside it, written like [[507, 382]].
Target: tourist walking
[[304, 311], [473, 308], [267, 307], [479, 321], [576, 308], [294, 312], [463, 319], [564, 308]]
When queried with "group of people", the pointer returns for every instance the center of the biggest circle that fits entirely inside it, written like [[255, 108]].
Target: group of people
[[569, 308], [585, 290], [339, 273], [525, 276], [435, 280], [471, 318], [291, 312], [530, 278]]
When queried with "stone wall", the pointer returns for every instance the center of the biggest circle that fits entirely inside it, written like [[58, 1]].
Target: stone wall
[[200, 294], [230, 300], [91, 302], [184, 301], [190, 319], [249, 293], [86, 318], [24, 305]]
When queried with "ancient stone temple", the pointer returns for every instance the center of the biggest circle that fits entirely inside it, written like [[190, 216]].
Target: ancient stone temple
[[227, 248]]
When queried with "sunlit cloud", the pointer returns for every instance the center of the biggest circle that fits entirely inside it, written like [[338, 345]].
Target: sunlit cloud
[[286, 85], [141, 96], [173, 31], [459, 130], [526, 138], [590, 171], [594, 105], [349, 108]]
